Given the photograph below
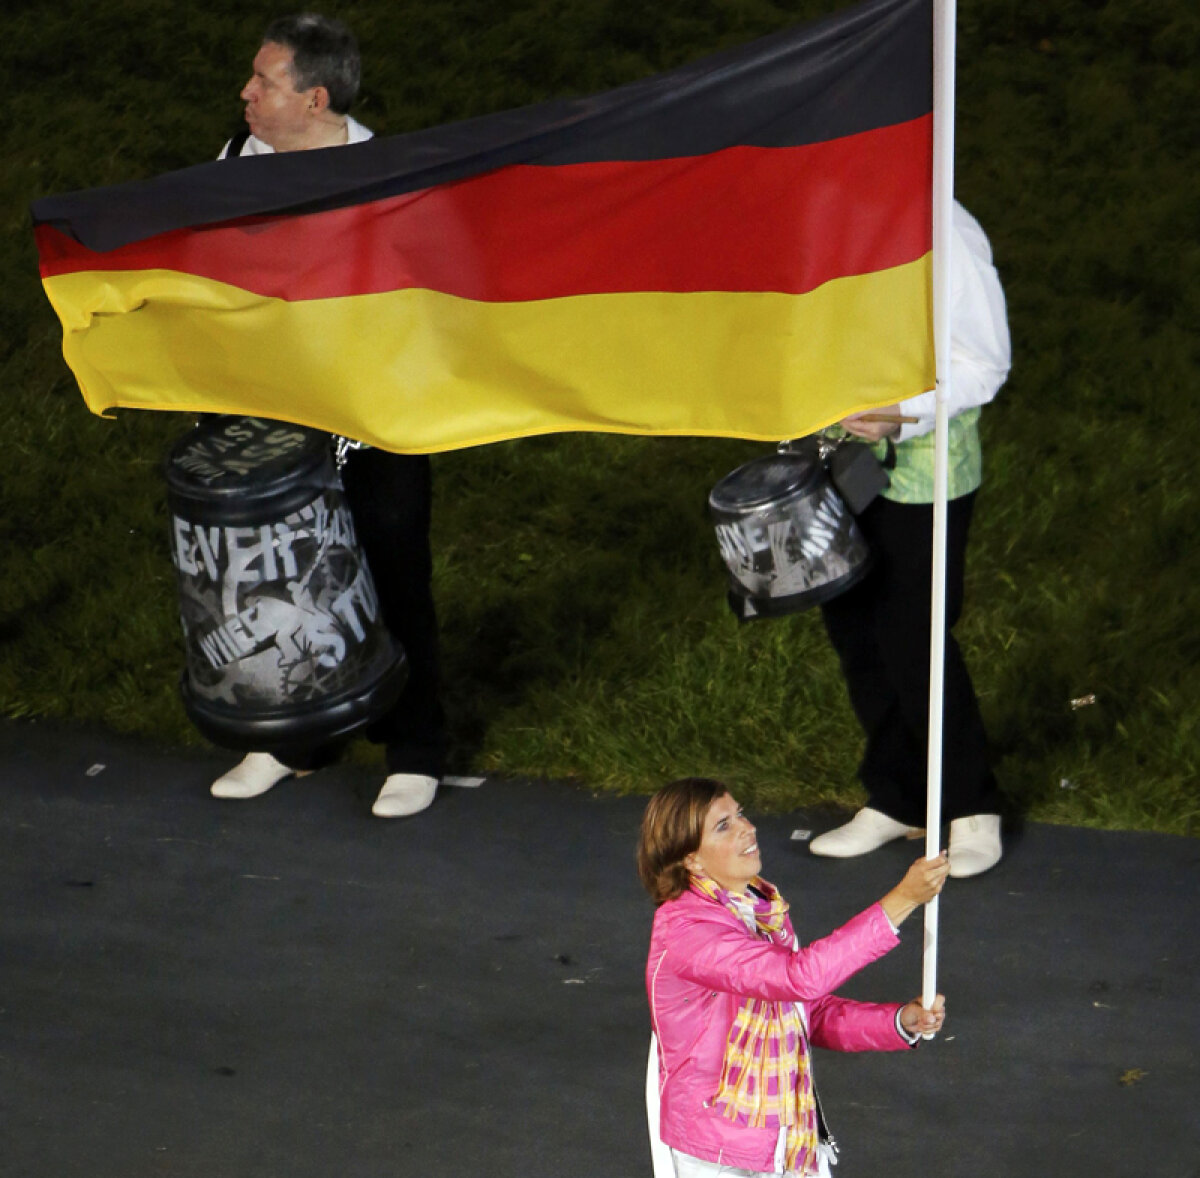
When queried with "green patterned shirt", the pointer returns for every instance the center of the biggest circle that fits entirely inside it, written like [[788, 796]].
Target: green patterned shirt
[[912, 478]]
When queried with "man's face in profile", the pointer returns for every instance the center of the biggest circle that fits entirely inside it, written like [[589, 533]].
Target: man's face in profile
[[276, 111]]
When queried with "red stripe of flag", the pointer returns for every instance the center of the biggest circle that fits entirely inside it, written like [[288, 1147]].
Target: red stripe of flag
[[741, 219]]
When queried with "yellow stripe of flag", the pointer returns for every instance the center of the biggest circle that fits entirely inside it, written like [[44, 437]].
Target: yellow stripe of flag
[[757, 365]]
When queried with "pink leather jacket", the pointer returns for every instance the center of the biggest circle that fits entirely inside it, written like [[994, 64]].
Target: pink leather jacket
[[703, 962]]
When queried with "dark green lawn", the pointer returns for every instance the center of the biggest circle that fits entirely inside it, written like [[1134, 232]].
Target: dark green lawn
[[581, 591]]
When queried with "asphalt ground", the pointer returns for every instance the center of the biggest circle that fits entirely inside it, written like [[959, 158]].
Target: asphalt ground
[[289, 987]]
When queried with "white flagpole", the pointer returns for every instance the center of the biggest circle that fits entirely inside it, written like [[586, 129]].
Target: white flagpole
[[944, 12]]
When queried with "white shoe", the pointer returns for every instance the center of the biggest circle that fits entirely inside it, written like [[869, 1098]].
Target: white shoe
[[866, 831], [255, 775], [974, 844], [405, 794]]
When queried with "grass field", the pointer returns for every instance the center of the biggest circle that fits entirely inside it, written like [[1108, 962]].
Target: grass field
[[580, 588]]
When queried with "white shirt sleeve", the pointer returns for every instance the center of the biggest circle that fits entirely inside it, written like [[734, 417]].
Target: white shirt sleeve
[[980, 348], [911, 1039]]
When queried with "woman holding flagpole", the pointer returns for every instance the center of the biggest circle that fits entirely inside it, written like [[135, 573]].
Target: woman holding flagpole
[[736, 1003]]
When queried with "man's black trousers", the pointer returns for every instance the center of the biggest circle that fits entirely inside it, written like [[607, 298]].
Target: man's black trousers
[[880, 629], [390, 499]]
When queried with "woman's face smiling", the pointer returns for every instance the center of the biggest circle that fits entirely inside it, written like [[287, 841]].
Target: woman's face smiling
[[728, 851]]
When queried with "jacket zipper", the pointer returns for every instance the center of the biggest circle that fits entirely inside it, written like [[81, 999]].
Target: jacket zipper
[[823, 1132]]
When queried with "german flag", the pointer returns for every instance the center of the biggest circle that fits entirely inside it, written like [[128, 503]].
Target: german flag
[[739, 247]]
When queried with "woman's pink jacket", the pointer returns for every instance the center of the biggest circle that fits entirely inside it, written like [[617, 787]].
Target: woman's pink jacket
[[703, 962]]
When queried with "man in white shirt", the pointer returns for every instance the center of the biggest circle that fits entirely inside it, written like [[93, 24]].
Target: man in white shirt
[[306, 75], [305, 78], [881, 627]]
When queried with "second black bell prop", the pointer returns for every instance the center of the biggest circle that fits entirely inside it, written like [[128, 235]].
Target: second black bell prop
[[787, 537]]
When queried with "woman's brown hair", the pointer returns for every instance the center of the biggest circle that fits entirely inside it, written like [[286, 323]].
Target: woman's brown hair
[[671, 830]]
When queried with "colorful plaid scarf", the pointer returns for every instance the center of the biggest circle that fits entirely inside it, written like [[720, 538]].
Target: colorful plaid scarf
[[766, 1081]]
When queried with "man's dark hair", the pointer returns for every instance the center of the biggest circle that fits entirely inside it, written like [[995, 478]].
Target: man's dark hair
[[324, 53]]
